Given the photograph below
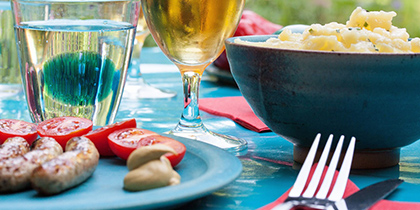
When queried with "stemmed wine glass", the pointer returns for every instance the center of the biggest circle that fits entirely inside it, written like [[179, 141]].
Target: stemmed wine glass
[[191, 33], [136, 87]]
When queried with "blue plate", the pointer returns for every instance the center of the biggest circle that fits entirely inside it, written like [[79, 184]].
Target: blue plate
[[203, 170]]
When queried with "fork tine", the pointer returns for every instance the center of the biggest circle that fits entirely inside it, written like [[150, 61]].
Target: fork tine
[[306, 168], [338, 190], [316, 177], [326, 183]]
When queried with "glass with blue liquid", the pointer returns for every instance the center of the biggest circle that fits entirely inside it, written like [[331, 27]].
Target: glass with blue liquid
[[74, 56]]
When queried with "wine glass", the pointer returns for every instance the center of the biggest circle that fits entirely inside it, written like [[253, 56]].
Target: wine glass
[[191, 33], [136, 87]]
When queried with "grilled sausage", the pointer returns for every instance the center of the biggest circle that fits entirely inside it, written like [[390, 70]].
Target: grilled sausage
[[70, 169], [13, 147], [15, 173]]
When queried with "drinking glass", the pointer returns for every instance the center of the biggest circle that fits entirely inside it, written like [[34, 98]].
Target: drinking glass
[[136, 86], [10, 80], [74, 55], [191, 33]]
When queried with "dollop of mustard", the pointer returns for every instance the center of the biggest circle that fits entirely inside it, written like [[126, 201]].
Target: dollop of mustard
[[149, 169]]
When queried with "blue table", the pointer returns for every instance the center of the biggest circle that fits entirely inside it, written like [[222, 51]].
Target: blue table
[[268, 167]]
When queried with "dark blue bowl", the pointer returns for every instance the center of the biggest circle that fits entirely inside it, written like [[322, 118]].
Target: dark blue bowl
[[298, 93]]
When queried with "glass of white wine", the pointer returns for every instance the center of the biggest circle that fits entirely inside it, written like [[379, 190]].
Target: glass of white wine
[[191, 33], [136, 86]]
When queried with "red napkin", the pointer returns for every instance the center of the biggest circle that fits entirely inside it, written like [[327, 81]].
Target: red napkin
[[235, 108], [350, 189]]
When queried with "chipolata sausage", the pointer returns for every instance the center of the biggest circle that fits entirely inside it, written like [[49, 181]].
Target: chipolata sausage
[[13, 147], [70, 169], [15, 172]]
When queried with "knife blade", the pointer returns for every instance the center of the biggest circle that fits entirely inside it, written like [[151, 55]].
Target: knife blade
[[367, 197]]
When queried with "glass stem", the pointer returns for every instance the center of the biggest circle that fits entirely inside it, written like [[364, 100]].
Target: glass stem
[[134, 72], [191, 115]]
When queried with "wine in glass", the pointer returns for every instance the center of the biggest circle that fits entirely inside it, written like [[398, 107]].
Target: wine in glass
[[191, 33], [136, 87]]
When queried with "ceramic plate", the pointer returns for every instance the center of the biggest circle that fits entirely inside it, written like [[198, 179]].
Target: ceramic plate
[[203, 170]]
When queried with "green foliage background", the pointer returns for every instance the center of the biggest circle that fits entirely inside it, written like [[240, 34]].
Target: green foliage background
[[286, 12]]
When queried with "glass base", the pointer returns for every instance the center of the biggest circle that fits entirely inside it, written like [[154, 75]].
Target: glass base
[[139, 89], [226, 142]]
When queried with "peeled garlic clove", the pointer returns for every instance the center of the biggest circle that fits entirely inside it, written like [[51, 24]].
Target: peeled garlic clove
[[152, 174], [145, 154]]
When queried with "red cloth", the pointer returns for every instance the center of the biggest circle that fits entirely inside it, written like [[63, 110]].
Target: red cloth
[[235, 108], [350, 189]]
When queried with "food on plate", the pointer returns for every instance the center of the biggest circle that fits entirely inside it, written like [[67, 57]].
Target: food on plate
[[100, 136], [69, 169], [150, 169], [64, 128], [145, 154], [15, 172], [250, 24], [174, 158], [13, 128], [13, 147], [365, 31], [123, 142]]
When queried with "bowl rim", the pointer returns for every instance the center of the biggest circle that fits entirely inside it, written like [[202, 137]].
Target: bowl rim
[[231, 41]]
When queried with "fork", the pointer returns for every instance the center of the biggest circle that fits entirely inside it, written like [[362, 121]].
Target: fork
[[298, 198]]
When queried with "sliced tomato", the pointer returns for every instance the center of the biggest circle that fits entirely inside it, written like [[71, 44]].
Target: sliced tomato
[[64, 128], [100, 136], [176, 145], [17, 128], [123, 142]]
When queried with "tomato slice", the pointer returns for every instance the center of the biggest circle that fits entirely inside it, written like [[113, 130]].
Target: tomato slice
[[123, 142], [64, 128], [100, 136], [17, 128], [176, 145]]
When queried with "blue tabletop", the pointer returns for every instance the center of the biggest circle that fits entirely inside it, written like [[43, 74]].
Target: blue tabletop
[[268, 167]]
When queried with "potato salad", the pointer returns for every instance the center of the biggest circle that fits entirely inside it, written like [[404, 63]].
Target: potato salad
[[365, 31]]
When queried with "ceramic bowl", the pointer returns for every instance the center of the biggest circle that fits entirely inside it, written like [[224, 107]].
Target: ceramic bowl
[[299, 93]]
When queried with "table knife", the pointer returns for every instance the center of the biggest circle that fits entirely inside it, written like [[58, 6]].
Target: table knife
[[367, 197]]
